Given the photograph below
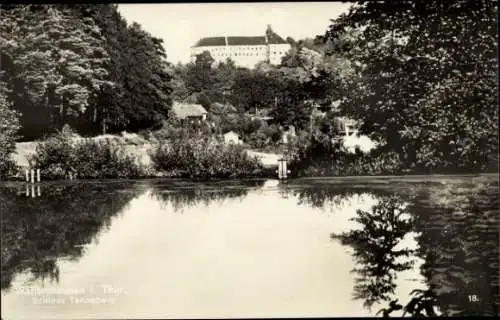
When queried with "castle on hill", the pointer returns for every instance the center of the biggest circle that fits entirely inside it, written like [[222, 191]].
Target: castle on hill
[[244, 51]]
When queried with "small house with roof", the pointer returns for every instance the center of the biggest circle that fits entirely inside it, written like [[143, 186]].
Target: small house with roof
[[231, 137], [244, 51], [189, 112]]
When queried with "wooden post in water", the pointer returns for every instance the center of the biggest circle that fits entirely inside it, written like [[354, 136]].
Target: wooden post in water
[[282, 169], [31, 179], [282, 164]]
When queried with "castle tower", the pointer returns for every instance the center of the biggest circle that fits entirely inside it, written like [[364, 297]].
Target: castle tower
[[268, 35]]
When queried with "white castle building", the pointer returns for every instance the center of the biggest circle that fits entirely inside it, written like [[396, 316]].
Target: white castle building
[[244, 51]]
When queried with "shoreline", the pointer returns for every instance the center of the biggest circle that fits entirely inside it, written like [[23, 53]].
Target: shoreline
[[269, 162], [386, 179]]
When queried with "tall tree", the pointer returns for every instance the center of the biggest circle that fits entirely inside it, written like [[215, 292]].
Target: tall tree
[[147, 87], [224, 78], [310, 84], [83, 65], [111, 100], [426, 79], [148, 81], [9, 126], [200, 74], [52, 61], [253, 90]]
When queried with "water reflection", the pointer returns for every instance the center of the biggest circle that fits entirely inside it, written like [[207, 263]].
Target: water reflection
[[330, 196], [382, 229], [267, 239], [36, 230], [457, 238], [33, 191], [187, 195]]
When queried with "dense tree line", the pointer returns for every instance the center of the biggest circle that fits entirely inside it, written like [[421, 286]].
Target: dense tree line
[[287, 92], [424, 79], [81, 65], [420, 77]]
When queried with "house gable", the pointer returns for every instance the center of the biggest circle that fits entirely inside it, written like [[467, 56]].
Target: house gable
[[188, 110]]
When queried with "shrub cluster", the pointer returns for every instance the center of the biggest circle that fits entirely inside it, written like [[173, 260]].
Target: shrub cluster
[[319, 159], [198, 157], [62, 156]]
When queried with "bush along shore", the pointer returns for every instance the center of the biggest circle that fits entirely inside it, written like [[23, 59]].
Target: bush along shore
[[67, 156], [326, 158], [184, 153], [204, 158], [64, 157]]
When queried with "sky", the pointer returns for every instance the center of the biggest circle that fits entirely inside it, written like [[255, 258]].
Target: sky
[[180, 25]]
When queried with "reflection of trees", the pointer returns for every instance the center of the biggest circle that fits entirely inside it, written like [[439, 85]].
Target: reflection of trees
[[382, 228], [207, 193], [459, 239], [37, 231], [458, 236], [318, 195]]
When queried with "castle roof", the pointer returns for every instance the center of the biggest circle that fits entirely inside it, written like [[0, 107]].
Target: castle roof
[[211, 41], [246, 41], [239, 41]]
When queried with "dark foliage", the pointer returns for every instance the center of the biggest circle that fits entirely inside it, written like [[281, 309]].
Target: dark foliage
[[91, 70]]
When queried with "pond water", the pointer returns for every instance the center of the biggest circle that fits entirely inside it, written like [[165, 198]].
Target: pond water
[[307, 248]]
